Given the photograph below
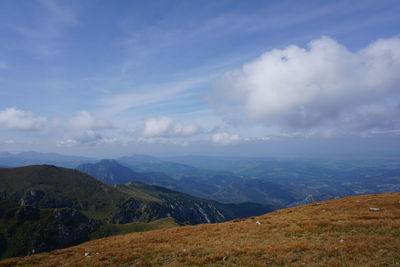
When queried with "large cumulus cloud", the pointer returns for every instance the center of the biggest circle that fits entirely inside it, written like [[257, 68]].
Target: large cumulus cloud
[[323, 86]]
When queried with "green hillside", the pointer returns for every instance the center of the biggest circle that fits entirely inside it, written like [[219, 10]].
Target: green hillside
[[67, 207]]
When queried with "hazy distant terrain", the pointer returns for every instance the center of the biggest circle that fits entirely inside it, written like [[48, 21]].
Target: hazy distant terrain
[[276, 181], [31, 158]]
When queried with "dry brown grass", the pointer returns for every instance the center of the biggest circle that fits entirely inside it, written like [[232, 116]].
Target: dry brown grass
[[302, 236]]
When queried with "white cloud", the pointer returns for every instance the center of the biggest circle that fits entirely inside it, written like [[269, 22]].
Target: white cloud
[[84, 120], [67, 142], [165, 127], [391, 132], [14, 118], [320, 87], [7, 142], [156, 126], [87, 138], [185, 130], [226, 138]]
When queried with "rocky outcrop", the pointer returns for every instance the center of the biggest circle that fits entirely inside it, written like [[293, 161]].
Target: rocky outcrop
[[184, 212], [29, 230], [39, 199]]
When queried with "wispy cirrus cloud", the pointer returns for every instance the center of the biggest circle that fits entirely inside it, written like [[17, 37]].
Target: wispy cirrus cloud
[[42, 37], [118, 103]]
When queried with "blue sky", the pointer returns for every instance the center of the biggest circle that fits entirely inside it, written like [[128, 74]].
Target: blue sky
[[187, 77]]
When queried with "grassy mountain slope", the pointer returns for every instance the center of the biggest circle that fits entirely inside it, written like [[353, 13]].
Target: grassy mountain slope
[[47, 186], [341, 232]]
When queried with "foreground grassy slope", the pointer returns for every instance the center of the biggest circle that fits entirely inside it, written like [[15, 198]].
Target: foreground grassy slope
[[342, 232]]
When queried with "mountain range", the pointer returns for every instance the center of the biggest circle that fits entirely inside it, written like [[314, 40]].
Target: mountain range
[[31, 158], [44, 207], [278, 181]]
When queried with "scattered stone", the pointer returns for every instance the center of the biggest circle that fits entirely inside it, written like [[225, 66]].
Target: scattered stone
[[184, 250], [258, 223], [341, 240], [374, 209], [87, 254]]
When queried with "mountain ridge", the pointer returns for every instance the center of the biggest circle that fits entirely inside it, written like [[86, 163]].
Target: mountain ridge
[[87, 203], [352, 231]]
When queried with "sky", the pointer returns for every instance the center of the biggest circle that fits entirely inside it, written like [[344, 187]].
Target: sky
[[247, 78]]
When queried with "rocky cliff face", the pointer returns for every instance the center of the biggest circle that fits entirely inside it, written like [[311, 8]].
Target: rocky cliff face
[[194, 212], [28, 230]]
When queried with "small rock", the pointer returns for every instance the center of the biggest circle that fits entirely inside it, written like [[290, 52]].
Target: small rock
[[87, 254], [341, 240], [184, 250], [258, 223], [374, 209], [224, 258]]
